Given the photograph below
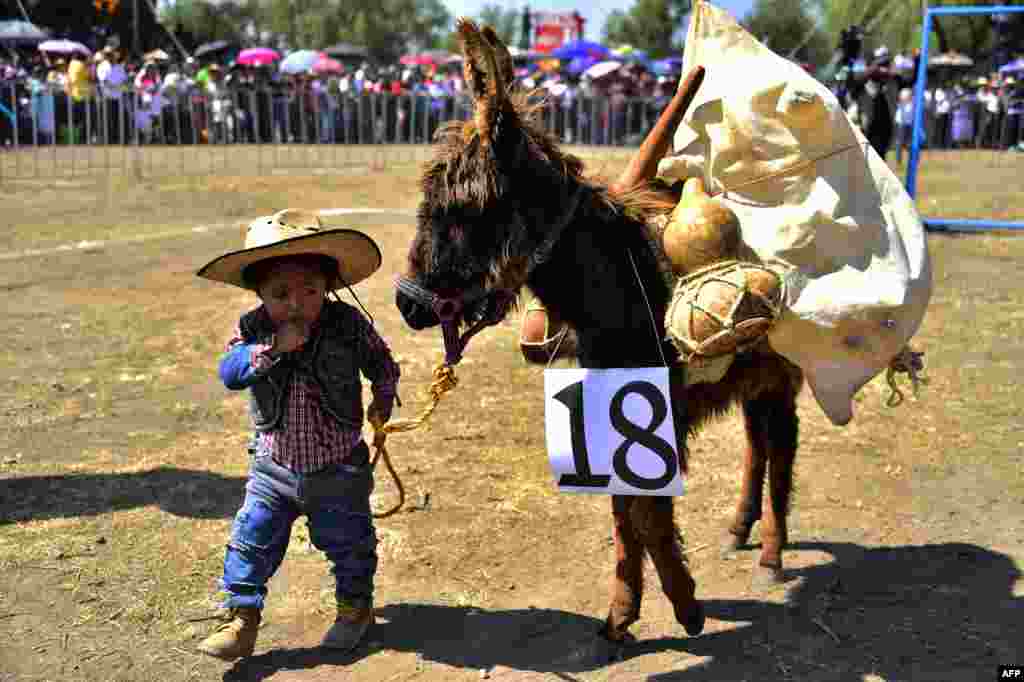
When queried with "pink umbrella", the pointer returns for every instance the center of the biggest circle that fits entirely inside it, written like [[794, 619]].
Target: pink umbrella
[[417, 60], [327, 65], [257, 56]]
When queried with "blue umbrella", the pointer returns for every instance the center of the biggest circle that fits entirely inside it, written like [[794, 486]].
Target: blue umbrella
[[581, 48], [668, 65], [300, 61], [21, 33], [1015, 65], [580, 64]]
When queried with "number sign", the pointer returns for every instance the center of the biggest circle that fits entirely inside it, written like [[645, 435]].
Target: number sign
[[611, 431]]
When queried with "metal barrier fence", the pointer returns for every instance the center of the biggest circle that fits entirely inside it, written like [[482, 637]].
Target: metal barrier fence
[[45, 128]]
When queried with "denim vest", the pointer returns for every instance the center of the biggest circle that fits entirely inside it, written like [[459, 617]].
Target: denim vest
[[330, 358]]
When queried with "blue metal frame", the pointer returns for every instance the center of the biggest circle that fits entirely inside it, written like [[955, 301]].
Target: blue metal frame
[[915, 145]]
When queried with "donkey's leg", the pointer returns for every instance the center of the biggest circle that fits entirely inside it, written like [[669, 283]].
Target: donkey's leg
[[774, 425], [748, 509], [627, 583], [653, 522]]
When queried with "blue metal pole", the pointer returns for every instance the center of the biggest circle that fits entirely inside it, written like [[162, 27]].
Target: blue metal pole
[[977, 9], [922, 78], [957, 225]]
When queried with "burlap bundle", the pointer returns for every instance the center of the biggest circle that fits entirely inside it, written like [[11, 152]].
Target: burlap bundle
[[723, 309]]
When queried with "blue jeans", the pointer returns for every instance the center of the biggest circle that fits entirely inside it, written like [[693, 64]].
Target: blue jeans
[[336, 502]]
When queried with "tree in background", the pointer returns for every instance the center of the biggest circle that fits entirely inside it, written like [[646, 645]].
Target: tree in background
[[206, 22], [95, 22], [789, 28], [506, 21], [897, 25], [649, 25]]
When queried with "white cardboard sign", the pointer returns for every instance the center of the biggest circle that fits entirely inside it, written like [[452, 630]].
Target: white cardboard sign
[[611, 431]]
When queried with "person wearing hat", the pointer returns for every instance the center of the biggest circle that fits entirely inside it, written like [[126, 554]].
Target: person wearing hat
[[988, 113], [876, 105], [300, 355]]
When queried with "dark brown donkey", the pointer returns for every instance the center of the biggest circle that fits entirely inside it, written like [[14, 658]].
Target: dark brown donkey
[[504, 208]]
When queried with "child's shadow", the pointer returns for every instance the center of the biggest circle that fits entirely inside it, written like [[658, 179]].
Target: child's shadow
[[540, 640]]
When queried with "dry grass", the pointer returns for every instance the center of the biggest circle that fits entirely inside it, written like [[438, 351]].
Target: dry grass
[[123, 461]]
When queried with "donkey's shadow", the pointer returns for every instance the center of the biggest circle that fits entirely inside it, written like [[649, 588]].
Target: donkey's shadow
[[944, 611], [922, 612]]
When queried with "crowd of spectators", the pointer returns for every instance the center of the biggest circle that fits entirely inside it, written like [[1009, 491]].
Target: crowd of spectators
[[962, 108], [101, 99], [104, 98]]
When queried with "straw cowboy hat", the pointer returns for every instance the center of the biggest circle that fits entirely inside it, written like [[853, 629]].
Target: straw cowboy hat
[[294, 232]]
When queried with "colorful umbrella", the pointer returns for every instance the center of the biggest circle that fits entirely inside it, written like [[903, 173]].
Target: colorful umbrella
[[327, 65], [951, 59], [602, 69], [415, 60], [628, 53], [663, 67], [21, 33], [581, 64], [300, 61], [258, 56], [64, 47], [207, 49], [581, 48], [428, 58], [1013, 67]]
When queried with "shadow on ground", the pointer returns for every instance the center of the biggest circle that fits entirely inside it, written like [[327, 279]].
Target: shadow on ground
[[182, 492], [544, 640], [931, 612], [927, 612]]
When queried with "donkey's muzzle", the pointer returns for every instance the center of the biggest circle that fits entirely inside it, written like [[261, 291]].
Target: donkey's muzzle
[[416, 314]]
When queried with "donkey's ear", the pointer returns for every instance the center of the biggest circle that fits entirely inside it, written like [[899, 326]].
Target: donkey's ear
[[504, 57], [483, 76]]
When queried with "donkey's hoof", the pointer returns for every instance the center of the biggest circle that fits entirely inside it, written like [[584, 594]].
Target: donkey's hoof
[[694, 622]]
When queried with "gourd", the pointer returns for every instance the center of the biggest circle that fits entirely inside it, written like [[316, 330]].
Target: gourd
[[700, 231]]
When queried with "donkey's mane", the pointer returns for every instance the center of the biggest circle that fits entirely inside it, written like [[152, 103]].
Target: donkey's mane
[[462, 170]]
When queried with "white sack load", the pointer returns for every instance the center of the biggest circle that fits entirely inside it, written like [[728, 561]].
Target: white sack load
[[814, 202]]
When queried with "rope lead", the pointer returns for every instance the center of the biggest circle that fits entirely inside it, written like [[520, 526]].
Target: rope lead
[[444, 381]]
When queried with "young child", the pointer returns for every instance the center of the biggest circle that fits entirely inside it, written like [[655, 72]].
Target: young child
[[300, 356]]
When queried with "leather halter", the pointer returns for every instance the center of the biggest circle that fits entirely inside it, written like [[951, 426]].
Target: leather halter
[[449, 309]]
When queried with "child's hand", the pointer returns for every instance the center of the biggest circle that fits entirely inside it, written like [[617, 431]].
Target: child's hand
[[289, 337], [379, 411]]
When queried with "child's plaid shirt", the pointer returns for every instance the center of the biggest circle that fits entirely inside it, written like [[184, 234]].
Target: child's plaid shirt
[[310, 439]]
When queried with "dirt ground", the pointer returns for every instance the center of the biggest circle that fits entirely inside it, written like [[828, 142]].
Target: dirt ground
[[122, 462]]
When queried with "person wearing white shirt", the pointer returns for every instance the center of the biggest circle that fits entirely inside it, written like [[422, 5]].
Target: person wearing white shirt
[[904, 122], [988, 115], [940, 132], [111, 76]]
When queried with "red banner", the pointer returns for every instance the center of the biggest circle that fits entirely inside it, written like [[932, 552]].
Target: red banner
[[551, 30]]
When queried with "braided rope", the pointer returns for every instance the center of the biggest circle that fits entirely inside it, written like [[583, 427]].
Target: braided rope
[[716, 272], [444, 381], [908, 362]]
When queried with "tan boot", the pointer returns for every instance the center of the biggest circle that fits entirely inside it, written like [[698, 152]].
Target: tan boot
[[235, 638], [349, 627]]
